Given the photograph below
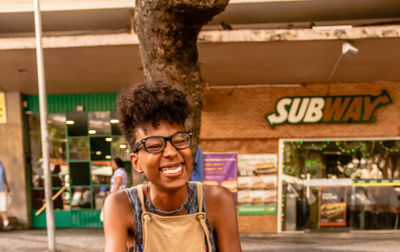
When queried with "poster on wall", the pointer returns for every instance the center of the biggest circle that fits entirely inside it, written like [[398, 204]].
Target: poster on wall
[[333, 206], [257, 181], [3, 115], [221, 169]]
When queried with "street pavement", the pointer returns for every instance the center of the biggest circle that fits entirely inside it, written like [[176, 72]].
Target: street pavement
[[92, 240]]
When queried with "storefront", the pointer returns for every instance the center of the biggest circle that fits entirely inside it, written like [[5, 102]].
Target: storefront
[[337, 148], [340, 184], [84, 136]]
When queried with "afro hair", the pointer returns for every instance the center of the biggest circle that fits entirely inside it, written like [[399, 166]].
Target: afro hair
[[150, 102]]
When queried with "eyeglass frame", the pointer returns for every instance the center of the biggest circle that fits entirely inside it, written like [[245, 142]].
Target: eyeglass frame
[[137, 145]]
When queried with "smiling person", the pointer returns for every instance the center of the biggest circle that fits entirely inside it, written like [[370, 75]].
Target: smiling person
[[169, 213]]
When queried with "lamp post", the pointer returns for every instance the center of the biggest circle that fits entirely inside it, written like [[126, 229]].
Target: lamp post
[[43, 127]]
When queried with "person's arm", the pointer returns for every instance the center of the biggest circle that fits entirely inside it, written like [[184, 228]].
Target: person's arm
[[6, 184], [117, 183], [118, 220], [221, 210]]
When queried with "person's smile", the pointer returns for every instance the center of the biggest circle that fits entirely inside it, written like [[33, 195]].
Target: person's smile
[[172, 170]]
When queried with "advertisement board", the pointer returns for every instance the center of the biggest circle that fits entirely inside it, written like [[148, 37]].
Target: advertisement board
[[332, 206], [257, 184], [221, 169]]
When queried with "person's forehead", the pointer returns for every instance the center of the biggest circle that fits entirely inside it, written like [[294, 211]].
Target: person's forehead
[[163, 128]]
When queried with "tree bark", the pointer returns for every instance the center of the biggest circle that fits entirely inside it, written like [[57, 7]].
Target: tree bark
[[167, 31]]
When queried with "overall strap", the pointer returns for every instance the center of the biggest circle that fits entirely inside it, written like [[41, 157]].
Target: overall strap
[[199, 187], [201, 217], [141, 197]]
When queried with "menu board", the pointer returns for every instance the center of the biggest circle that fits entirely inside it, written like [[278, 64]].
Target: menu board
[[257, 183], [221, 169], [333, 206]]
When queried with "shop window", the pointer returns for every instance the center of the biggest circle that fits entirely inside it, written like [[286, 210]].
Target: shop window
[[100, 148], [81, 146], [99, 196], [99, 123], [120, 148], [368, 171], [114, 124], [81, 197], [56, 130], [101, 172], [79, 173], [77, 123], [35, 145], [78, 148], [37, 198]]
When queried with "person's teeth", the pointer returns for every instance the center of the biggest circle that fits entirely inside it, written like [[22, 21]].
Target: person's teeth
[[174, 170]]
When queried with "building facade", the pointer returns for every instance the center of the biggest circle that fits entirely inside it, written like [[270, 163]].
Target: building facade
[[312, 84]]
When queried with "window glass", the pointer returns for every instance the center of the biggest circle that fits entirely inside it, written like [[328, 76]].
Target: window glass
[[37, 198], [368, 170], [99, 196], [99, 123], [81, 197], [115, 124], [77, 123], [101, 172], [78, 148], [100, 148], [35, 144], [120, 148], [56, 129], [79, 173], [37, 175]]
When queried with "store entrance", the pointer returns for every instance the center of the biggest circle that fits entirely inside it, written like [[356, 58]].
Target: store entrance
[[333, 185]]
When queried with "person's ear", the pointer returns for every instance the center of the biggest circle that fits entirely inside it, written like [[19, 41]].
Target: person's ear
[[136, 163]]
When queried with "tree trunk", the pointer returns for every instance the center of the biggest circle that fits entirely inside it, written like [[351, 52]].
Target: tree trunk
[[167, 31]]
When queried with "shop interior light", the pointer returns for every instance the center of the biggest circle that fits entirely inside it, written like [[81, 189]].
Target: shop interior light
[[108, 156], [114, 121], [123, 146], [98, 153], [70, 122], [92, 132], [109, 139]]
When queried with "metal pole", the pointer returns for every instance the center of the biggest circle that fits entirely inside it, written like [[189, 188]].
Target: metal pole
[[43, 127]]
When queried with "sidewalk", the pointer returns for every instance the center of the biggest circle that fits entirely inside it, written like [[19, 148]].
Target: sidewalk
[[92, 240]]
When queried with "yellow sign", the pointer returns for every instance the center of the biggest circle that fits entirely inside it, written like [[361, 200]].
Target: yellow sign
[[3, 109]]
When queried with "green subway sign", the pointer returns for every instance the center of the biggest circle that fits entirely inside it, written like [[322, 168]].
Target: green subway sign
[[327, 109]]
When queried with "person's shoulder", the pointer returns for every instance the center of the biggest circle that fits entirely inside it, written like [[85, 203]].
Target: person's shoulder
[[120, 171], [117, 199], [218, 195]]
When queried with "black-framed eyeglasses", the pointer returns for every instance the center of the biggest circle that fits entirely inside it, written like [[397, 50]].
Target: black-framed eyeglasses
[[156, 144]]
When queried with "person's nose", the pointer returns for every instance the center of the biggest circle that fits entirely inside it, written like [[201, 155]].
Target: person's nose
[[170, 150]]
